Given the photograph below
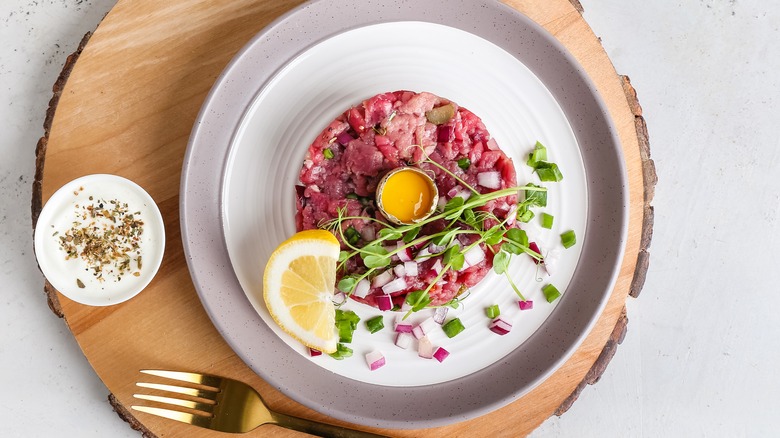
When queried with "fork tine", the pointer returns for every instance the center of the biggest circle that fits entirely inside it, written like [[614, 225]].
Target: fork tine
[[200, 379], [194, 392], [205, 407], [184, 417]]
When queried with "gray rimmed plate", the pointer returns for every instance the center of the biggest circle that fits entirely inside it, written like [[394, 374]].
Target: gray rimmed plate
[[255, 81]]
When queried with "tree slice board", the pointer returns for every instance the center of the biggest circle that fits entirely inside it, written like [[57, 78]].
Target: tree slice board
[[125, 104]]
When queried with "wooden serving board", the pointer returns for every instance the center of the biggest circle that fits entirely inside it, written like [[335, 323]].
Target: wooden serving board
[[125, 104]]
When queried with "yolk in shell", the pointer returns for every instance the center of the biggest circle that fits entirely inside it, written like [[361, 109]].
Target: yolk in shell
[[407, 195]]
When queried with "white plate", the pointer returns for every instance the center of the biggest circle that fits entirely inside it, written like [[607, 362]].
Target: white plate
[[252, 83], [309, 92], [57, 217]]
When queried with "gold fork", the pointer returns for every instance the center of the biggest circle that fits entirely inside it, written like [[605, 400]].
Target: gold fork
[[227, 405]]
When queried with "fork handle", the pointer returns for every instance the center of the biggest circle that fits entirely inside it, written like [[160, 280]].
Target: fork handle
[[320, 429]]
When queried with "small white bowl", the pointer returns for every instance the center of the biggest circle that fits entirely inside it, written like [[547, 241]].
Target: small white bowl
[[75, 277]]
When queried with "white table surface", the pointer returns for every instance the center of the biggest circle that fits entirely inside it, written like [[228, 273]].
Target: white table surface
[[701, 355]]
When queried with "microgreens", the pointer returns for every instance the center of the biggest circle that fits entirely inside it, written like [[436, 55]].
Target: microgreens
[[463, 217]]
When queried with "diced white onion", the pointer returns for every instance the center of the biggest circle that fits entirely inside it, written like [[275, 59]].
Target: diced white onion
[[511, 216], [423, 254], [490, 179], [396, 285], [368, 233], [428, 325], [459, 192], [435, 249], [405, 254], [440, 314], [382, 279], [403, 340], [474, 255], [551, 261], [425, 348], [361, 288]]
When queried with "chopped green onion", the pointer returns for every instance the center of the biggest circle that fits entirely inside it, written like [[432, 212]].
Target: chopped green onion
[[547, 221], [548, 171], [375, 324], [346, 323], [568, 239], [525, 216], [551, 293], [464, 163], [453, 327], [328, 154], [492, 311], [352, 235], [352, 196], [539, 154], [345, 333], [341, 352]]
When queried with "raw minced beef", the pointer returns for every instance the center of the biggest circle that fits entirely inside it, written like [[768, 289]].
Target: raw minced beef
[[384, 132]]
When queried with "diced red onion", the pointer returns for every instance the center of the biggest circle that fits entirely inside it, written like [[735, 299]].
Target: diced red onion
[[525, 305], [375, 360], [474, 255], [340, 297], [384, 302], [417, 331], [399, 270], [344, 138], [490, 179], [313, 352], [459, 191], [445, 133], [435, 249], [396, 285], [423, 254], [411, 268], [511, 216], [402, 326], [405, 254], [437, 266], [440, 314], [441, 203], [440, 354], [500, 326], [425, 348], [361, 288], [382, 279], [534, 247], [403, 340], [492, 144], [368, 233]]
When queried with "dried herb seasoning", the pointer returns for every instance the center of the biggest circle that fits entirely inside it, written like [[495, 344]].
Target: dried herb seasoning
[[105, 235]]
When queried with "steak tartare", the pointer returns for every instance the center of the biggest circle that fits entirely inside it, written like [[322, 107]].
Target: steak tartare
[[346, 161]]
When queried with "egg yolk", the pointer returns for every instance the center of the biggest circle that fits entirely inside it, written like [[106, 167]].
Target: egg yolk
[[407, 195]]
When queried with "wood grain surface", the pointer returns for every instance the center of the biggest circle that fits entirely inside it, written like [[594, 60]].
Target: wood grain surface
[[125, 104]]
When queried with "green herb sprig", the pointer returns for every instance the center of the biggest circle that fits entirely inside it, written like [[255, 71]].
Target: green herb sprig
[[463, 218]]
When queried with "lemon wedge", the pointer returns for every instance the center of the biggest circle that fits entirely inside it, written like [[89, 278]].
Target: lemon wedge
[[298, 285]]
